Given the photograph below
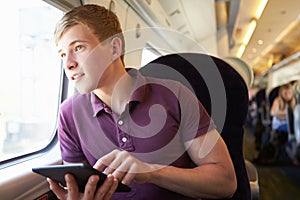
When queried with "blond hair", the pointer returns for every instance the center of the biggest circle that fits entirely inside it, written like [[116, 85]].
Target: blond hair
[[282, 102], [101, 21]]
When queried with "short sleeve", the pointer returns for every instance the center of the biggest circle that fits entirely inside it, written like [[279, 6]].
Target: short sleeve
[[71, 150], [195, 120]]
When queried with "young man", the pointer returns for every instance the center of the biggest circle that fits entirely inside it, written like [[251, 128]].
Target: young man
[[148, 133]]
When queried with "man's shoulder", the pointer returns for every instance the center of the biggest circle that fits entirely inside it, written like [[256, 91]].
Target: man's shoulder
[[77, 99], [164, 82]]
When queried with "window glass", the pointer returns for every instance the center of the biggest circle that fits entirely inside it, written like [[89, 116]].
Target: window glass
[[149, 54], [30, 77]]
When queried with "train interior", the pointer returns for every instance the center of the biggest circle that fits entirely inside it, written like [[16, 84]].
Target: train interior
[[253, 44]]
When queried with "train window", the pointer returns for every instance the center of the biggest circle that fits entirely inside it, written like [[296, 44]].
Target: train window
[[31, 77], [149, 53]]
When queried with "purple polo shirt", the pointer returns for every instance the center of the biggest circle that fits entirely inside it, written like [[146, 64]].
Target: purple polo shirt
[[160, 116]]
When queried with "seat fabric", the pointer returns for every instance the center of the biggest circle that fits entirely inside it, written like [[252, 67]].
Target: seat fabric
[[202, 74]]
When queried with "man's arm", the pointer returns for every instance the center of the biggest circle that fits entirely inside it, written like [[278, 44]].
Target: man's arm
[[213, 178]]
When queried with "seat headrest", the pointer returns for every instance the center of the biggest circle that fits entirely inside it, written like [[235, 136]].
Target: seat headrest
[[218, 86]]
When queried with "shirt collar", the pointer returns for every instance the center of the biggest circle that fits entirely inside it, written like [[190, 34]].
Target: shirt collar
[[97, 104], [141, 89]]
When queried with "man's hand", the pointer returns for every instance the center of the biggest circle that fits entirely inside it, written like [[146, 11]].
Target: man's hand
[[104, 192], [125, 168]]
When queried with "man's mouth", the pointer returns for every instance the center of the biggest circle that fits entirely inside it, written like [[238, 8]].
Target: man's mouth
[[76, 76]]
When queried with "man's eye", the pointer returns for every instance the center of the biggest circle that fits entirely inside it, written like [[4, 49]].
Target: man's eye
[[62, 55], [78, 48]]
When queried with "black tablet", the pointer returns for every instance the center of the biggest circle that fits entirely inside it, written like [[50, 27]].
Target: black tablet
[[81, 172]]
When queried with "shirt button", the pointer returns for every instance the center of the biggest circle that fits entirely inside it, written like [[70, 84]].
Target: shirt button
[[120, 122], [124, 139]]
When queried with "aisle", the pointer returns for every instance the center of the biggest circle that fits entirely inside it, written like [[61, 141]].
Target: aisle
[[279, 182], [276, 182]]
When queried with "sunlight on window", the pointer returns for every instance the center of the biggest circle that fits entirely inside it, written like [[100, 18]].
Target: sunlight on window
[[31, 74], [149, 53]]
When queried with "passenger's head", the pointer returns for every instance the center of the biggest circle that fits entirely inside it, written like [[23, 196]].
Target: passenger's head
[[101, 21], [286, 92]]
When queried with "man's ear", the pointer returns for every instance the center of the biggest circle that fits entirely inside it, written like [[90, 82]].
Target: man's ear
[[116, 44]]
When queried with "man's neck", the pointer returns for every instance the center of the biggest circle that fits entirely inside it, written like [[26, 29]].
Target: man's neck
[[116, 90]]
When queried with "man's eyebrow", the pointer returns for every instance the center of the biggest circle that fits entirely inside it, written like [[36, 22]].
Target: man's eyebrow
[[71, 44], [59, 51]]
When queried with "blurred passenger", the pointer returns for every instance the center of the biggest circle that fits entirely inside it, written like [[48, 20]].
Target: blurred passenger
[[276, 148], [278, 110], [281, 139], [252, 111], [293, 145]]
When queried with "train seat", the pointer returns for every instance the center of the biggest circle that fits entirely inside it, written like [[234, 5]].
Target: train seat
[[272, 95], [253, 179], [197, 72], [296, 114]]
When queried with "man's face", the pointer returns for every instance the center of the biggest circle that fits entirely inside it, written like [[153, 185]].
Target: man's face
[[84, 57]]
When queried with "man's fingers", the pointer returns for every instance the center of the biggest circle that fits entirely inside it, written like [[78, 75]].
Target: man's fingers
[[127, 178], [107, 160], [112, 189], [91, 187], [72, 187], [60, 192], [99, 165], [107, 188]]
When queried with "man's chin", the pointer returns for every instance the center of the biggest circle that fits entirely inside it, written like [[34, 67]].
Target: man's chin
[[83, 90]]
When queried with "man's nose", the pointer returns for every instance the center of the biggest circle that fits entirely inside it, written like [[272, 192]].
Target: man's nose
[[69, 62]]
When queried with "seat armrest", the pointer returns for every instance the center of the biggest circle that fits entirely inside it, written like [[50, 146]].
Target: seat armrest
[[253, 179]]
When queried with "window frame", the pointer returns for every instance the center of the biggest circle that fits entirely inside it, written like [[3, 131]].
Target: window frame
[[63, 94]]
